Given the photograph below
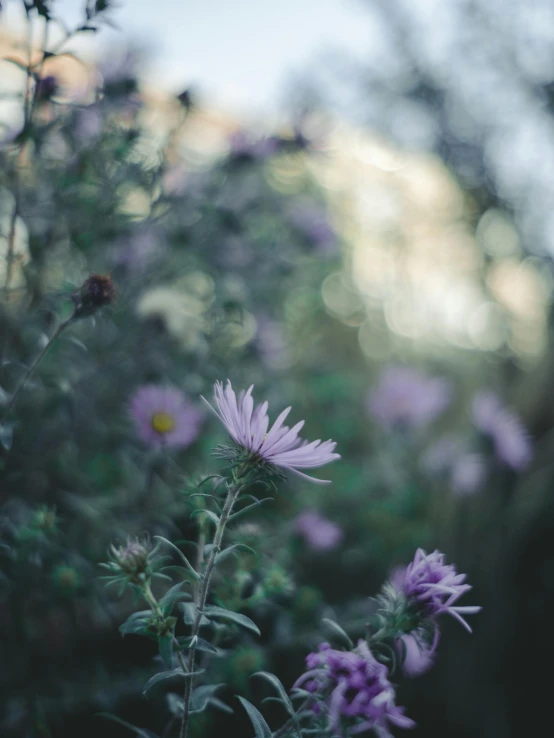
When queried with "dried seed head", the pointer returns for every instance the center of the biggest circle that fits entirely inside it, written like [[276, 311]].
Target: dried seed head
[[96, 292]]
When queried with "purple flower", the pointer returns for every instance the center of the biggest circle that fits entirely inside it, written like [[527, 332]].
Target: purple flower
[[468, 473], [510, 438], [448, 455], [311, 220], [352, 685], [320, 533], [417, 653], [406, 397], [433, 586], [164, 416], [271, 342], [280, 445]]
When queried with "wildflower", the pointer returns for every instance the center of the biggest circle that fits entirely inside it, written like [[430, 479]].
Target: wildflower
[[320, 533], [164, 416], [432, 586], [416, 654], [279, 446], [96, 292], [135, 562], [408, 398], [508, 435], [352, 685]]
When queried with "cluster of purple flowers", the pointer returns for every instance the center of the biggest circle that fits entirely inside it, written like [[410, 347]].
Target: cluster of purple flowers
[[351, 689], [352, 685]]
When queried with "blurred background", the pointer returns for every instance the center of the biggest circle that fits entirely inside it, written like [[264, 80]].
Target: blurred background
[[347, 204]]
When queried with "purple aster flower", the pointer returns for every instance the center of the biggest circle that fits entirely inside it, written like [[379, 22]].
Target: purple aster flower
[[352, 685], [406, 397], [280, 445], [418, 655], [508, 435], [433, 586], [320, 533], [164, 416]]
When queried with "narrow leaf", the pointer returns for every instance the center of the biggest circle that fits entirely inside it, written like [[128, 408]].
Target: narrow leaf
[[338, 632], [202, 695], [247, 509], [281, 691], [142, 732], [212, 611], [261, 728], [187, 563], [186, 642], [209, 514], [222, 555], [172, 675]]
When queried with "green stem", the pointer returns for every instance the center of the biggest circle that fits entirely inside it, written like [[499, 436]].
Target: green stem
[[31, 370], [232, 494], [157, 612]]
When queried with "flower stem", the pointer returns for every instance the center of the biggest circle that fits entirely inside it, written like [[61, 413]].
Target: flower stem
[[202, 595], [31, 370]]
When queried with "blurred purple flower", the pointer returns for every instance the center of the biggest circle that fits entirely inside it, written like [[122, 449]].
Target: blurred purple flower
[[468, 473], [312, 222], [242, 144], [271, 342], [280, 446], [406, 397], [448, 455], [352, 685], [88, 124], [320, 533], [508, 435], [137, 250], [419, 656], [434, 586], [164, 416]]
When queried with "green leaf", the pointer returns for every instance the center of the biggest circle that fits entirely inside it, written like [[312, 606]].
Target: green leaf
[[338, 632], [136, 623], [172, 596], [209, 514], [212, 611], [142, 732], [189, 614], [261, 728], [165, 649], [201, 696], [222, 555], [281, 691], [186, 642], [187, 563], [170, 675], [247, 509]]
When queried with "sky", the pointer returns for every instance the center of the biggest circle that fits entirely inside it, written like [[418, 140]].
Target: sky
[[238, 53]]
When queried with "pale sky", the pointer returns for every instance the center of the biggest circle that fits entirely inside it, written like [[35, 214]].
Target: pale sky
[[239, 53]]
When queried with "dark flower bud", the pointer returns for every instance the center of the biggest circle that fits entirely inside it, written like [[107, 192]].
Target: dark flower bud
[[46, 88], [133, 560], [96, 292]]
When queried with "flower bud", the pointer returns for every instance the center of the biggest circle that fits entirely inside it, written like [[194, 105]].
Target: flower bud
[[96, 292]]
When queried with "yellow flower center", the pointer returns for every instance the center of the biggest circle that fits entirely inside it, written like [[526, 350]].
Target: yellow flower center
[[162, 423]]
